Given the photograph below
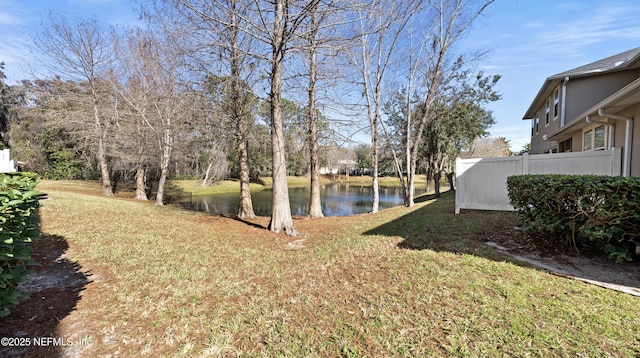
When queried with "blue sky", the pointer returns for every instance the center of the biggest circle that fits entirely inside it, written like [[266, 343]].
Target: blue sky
[[528, 41]]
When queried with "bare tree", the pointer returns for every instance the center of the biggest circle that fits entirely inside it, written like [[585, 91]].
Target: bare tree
[[216, 38], [153, 90], [381, 24], [315, 204], [82, 50], [132, 80], [283, 30], [487, 147], [245, 207], [449, 21], [320, 41]]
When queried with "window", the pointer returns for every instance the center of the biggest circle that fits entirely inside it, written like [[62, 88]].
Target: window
[[594, 139], [556, 103], [537, 119], [533, 126], [598, 138], [587, 143], [546, 118], [566, 146]]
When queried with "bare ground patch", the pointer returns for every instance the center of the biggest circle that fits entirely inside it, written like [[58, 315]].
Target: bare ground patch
[[589, 265]]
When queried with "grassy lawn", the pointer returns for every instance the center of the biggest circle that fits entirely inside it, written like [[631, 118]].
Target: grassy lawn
[[404, 282]]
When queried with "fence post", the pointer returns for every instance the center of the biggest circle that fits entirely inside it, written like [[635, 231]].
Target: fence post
[[616, 161], [458, 187], [525, 163]]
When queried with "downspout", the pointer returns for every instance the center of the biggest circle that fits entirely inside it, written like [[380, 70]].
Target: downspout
[[564, 101], [626, 165]]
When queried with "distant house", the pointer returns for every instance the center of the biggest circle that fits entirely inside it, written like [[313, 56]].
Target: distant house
[[6, 164], [590, 108], [343, 166]]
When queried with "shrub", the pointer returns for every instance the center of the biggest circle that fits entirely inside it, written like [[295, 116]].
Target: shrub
[[18, 229], [602, 209]]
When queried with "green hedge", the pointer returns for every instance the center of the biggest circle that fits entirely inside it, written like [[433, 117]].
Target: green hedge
[[602, 209], [18, 229]]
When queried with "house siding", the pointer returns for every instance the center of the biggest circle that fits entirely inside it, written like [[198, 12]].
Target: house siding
[[582, 93], [635, 155], [619, 130], [538, 144]]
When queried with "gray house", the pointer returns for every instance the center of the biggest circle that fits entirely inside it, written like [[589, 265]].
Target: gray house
[[590, 108]]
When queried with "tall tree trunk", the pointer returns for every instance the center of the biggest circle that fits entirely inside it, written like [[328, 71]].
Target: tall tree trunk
[[167, 147], [315, 205], [280, 209], [374, 145], [141, 188], [141, 172], [398, 165], [245, 207], [101, 154], [374, 157], [206, 179], [107, 189], [410, 189], [422, 121], [436, 182]]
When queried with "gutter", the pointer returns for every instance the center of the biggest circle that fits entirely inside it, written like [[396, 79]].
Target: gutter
[[626, 165], [564, 101]]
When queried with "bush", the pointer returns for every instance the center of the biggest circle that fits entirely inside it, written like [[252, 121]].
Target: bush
[[602, 209], [18, 229]]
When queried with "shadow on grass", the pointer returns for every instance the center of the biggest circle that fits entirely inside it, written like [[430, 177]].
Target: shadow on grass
[[428, 197], [54, 290], [172, 193], [434, 226], [246, 222], [256, 180]]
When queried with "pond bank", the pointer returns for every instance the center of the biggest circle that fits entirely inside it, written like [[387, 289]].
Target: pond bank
[[225, 186]]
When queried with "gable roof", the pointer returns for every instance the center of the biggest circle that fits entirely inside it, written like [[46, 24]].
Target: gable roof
[[613, 63], [622, 61]]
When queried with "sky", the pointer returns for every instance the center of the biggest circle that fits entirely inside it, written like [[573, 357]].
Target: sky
[[527, 41]]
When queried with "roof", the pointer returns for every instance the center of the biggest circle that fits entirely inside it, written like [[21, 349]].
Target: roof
[[610, 64], [619, 62]]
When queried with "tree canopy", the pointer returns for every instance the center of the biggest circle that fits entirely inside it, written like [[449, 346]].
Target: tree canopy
[[245, 89]]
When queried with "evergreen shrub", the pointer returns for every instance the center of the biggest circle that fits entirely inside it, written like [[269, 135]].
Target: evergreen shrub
[[19, 228], [570, 208]]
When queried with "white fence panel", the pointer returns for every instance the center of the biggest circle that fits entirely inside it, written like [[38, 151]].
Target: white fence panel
[[481, 184], [6, 164]]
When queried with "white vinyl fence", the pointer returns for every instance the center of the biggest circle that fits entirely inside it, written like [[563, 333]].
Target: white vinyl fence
[[481, 184], [6, 164]]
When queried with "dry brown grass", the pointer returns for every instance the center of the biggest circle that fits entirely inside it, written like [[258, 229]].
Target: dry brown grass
[[404, 282]]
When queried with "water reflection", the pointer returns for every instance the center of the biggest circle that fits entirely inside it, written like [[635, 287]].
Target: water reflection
[[337, 200]]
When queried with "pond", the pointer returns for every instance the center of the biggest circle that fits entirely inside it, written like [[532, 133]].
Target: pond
[[337, 200]]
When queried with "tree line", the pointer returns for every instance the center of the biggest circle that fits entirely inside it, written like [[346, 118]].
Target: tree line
[[248, 88]]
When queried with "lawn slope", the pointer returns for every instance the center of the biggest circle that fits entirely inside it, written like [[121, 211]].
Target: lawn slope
[[403, 282]]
